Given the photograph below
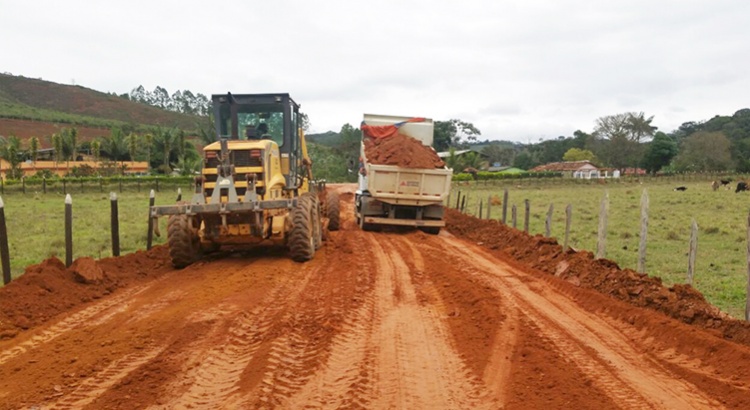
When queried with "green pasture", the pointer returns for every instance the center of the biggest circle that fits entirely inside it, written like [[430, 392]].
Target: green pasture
[[36, 226], [721, 263]]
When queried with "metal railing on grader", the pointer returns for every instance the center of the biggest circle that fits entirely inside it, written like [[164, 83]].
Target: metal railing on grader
[[256, 187]]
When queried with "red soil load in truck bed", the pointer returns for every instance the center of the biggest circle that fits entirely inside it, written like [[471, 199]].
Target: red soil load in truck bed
[[401, 150]]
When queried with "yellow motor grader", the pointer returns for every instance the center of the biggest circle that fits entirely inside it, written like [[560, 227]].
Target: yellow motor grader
[[256, 186]]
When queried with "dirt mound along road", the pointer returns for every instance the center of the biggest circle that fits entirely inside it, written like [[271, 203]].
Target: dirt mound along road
[[395, 319], [401, 150]]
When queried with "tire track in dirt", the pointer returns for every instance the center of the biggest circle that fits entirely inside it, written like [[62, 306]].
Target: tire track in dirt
[[590, 343], [217, 377], [416, 365], [87, 317], [93, 387], [345, 379], [309, 327]]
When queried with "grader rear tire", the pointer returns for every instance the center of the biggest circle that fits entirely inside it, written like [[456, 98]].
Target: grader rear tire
[[302, 233], [184, 245], [333, 210]]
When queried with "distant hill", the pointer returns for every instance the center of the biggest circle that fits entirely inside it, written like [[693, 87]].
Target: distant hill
[[329, 138], [24, 98]]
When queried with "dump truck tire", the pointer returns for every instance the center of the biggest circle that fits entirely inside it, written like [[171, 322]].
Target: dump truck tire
[[184, 246], [302, 234], [432, 230], [333, 211]]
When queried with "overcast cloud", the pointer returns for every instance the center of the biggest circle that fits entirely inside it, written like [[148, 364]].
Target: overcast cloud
[[518, 70]]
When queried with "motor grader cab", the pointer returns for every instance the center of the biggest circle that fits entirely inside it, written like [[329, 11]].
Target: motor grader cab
[[256, 186]]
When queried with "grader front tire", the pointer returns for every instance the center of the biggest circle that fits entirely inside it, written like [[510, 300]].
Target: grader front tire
[[184, 245]]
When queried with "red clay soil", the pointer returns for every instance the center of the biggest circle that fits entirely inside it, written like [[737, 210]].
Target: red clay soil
[[682, 302], [401, 150], [393, 319], [48, 289], [26, 129]]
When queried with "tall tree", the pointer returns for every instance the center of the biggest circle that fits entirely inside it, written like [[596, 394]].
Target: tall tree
[[115, 145], [133, 142], [57, 144], [10, 150], [704, 151], [34, 149], [453, 133], [96, 147], [639, 127]]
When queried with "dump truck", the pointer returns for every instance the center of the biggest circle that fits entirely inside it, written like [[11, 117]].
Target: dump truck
[[396, 195], [256, 186]]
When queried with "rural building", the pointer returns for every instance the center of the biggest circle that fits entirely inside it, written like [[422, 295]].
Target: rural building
[[63, 168], [575, 169]]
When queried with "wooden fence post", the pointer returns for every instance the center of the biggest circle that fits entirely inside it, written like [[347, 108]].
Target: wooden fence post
[[150, 234], [179, 194], [44, 185], [644, 233], [4, 252], [68, 230], [692, 252], [463, 203], [101, 185], [548, 222], [568, 215], [23, 184], [81, 181], [157, 185], [601, 243], [458, 199], [489, 207], [480, 209], [115, 224], [505, 205], [120, 179], [527, 207]]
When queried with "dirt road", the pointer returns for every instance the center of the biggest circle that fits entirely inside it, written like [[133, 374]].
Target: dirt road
[[376, 320]]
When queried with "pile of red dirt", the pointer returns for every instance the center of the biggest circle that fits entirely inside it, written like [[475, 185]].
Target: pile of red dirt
[[48, 289], [401, 150], [682, 302]]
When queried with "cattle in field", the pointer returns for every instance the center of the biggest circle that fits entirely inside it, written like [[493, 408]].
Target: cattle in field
[[715, 185], [741, 186], [725, 181], [681, 188]]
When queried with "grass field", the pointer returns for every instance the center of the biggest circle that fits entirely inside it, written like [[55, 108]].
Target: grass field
[[35, 222], [721, 265]]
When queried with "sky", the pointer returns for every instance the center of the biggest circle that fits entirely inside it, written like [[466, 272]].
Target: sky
[[521, 71]]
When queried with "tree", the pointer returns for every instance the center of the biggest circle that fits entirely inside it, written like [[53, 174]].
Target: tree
[[69, 144], [524, 161], [96, 149], [659, 153], [639, 127], [623, 134], [34, 148], [453, 133], [496, 153], [577, 154], [115, 145], [132, 142], [704, 151], [10, 150], [57, 144]]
